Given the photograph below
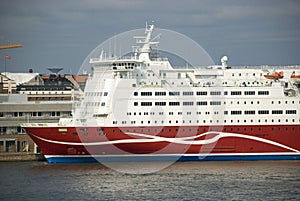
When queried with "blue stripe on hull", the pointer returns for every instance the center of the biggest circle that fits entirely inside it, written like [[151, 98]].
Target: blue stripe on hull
[[90, 159]]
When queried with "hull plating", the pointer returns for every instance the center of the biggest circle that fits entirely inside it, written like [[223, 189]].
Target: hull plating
[[92, 144]]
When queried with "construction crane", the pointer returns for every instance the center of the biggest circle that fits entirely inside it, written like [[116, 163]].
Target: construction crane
[[12, 45]]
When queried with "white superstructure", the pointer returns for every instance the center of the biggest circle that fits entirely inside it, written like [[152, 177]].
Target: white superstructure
[[143, 91]]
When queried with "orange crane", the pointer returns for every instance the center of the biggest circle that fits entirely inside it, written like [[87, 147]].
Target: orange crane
[[12, 45]]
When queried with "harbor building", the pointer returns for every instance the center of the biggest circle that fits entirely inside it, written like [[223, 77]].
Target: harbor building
[[31, 97]]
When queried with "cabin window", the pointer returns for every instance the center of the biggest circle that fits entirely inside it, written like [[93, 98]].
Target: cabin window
[[277, 112], [263, 111], [174, 93], [188, 103], [234, 93], [263, 92], [249, 112], [174, 103], [247, 93], [148, 93], [236, 112], [215, 93], [160, 103], [146, 103], [215, 102], [201, 93], [290, 112], [202, 103], [160, 93], [188, 93]]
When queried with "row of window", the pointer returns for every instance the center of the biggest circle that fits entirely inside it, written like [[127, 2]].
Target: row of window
[[12, 130], [202, 103], [233, 112], [96, 94], [252, 112], [240, 74], [94, 104], [200, 93], [34, 114], [205, 121]]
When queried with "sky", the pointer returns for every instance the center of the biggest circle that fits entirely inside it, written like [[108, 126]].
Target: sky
[[63, 32]]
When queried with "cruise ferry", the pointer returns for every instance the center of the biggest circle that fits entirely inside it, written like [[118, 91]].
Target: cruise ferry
[[140, 107]]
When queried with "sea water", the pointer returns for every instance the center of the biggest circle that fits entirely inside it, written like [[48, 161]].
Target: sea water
[[238, 180]]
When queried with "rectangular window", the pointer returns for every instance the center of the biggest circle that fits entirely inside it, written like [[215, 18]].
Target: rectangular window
[[249, 112], [236, 112], [188, 93], [215, 102], [146, 103], [174, 103], [263, 111], [105, 93], [202, 103], [290, 112], [160, 103], [135, 103], [174, 93], [135, 93], [188, 103], [277, 112], [235, 93], [247, 93], [201, 93], [263, 92], [148, 93], [160, 93], [215, 93]]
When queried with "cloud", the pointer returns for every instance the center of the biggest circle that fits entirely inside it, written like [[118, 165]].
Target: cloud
[[73, 27]]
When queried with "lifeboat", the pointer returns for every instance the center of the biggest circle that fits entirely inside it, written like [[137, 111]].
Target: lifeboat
[[275, 75], [295, 78]]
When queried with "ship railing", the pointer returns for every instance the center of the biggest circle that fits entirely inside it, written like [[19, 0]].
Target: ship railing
[[39, 124], [160, 59]]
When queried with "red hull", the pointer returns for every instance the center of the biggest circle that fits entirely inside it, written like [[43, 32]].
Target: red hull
[[166, 140]]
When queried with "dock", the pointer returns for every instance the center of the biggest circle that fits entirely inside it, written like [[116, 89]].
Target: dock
[[21, 156]]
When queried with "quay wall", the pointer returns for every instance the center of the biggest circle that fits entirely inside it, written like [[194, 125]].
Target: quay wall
[[21, 157]]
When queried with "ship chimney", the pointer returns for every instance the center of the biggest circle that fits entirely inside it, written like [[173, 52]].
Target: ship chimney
[[224, 62]]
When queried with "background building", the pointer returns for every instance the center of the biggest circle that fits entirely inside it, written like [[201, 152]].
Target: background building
[[30, 97]]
